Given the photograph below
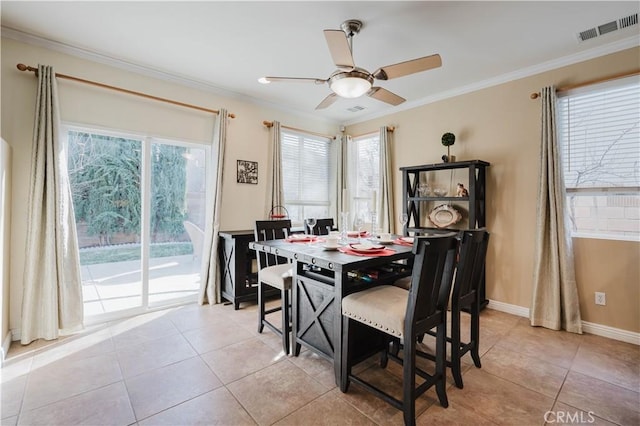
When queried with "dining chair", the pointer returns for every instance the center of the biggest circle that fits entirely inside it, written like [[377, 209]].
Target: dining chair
[[465, 296], [274, 271], [196, 234], [404, 315], [323, 227]]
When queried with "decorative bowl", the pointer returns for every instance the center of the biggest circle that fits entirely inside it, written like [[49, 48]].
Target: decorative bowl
[[440, 192], [423, 190]]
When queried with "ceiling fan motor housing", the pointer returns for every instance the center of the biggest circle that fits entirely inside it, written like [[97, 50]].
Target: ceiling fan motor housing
[[351, 27]]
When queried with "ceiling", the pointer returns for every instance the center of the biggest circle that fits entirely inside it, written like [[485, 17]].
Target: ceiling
[[226, 46]]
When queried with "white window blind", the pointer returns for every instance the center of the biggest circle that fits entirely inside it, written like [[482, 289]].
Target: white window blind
[[306, 172], [599, 132], [364, 171]]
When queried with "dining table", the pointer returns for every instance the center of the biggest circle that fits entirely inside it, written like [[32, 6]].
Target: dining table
[[323, 276]]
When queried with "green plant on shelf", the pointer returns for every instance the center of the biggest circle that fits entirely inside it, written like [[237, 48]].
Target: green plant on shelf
[[448, 139]]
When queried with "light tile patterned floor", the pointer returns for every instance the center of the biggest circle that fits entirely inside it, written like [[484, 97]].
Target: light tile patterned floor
[[208, 365]]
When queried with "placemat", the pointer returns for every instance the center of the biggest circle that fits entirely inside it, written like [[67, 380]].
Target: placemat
[[384, 252]]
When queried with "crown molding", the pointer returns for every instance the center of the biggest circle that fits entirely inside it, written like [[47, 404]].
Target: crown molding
[[21, 36], [182, 80], [626, 43]]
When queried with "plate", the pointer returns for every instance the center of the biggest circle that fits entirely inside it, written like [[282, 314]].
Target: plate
[[329, 248], [407, 239], [381, 241], [444, 216], [366, 248]]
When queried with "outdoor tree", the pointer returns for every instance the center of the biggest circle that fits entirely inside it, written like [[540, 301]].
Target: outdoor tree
[[104, 172]]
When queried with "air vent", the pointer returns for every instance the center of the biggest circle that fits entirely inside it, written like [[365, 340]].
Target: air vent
[[355, 108], [608, 27], [628, 21], [587, 34]]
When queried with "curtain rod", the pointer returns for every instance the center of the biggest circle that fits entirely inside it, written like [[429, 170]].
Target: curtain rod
[[270, 124], [536, 95], [391, 129], [23, 67]]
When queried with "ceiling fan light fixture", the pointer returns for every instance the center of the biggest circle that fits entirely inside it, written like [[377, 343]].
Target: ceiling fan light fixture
[[352, 84]]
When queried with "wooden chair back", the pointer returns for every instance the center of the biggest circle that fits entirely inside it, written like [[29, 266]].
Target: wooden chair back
[[323, 227], [433, 268], [266, 230]]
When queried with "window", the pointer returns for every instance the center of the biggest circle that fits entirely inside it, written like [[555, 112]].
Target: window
[[306, 172], [599, 132], [364, 172]]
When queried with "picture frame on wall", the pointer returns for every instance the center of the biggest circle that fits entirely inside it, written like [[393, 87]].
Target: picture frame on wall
[[248, 172]]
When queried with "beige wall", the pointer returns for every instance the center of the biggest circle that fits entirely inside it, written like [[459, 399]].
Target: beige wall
[[501, 125], [498, 124], [247, 138]]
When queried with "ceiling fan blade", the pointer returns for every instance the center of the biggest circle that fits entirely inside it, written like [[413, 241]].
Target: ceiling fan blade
[[266, 80], [385, 96], [327, 101], [408, 67], [339, 48]]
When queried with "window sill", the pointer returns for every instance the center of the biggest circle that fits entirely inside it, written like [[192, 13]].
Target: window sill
[[587, 236]]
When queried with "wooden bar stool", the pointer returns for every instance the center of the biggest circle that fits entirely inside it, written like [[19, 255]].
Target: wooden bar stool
[[274, 271], [405, 315]]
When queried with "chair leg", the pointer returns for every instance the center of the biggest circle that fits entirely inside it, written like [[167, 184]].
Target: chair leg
[[441, 358], [384, 354], [395, 346], [345, 368], [260, 307], [475, 333], [286, 327], [455, 347], [409, 380]]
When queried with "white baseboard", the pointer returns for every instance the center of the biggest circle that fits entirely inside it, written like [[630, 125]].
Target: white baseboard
[[508, 308], [587, 327], [611, 333], [6, 343]]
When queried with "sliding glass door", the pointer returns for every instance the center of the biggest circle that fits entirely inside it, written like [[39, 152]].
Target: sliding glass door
[[176, 222], [139, 207]]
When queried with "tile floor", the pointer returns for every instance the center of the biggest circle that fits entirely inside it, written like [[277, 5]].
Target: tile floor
[[208, 365]]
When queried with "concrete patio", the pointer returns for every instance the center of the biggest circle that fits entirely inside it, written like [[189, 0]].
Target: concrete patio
[[116, 286]]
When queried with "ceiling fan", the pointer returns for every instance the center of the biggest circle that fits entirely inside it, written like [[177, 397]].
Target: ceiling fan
[[349, 81]]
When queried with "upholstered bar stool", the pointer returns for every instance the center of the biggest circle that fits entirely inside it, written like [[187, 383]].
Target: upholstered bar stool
[[274, 271], [405, 315]]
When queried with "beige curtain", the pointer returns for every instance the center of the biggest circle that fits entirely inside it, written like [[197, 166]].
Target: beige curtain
[[275, 192], [555, 295], [52, 295], [342, 203], [210, 272], [348, 180], [385, 210]]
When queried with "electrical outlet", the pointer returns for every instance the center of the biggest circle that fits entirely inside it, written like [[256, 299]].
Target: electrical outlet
[[601, 298]]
